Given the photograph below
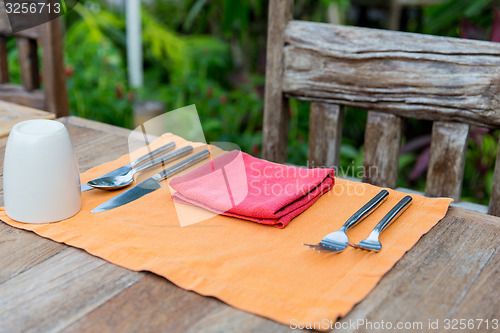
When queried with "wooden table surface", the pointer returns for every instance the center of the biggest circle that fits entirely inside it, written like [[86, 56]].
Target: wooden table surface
[[453, 272]]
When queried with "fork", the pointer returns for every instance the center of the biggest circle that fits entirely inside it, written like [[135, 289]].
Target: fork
[[337, 241], [372, 243]]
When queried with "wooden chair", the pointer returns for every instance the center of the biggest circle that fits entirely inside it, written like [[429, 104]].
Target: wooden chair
[[395, 75], [53, 97]]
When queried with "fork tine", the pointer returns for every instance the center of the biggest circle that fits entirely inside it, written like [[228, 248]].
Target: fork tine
[[357, 246], [311, 245], [328, 248], [322, 247]]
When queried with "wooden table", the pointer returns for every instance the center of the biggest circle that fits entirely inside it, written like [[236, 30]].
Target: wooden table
[[452, 273], [11, 114]]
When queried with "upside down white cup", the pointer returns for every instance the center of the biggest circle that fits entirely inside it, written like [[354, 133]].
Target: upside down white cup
[[41, 182]]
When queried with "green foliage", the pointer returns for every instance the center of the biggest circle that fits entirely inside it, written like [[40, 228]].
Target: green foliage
[[97, 81], [13, 64], [479, 169], [211, 53], [443, 19]]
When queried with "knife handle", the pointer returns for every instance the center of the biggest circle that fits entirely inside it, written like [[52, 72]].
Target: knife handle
[[144, 158], [168, 157], [393, 214], [366, 210], [183, 165]]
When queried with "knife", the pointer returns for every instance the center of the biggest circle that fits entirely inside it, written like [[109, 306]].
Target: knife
[[126, 168], [150, 184]]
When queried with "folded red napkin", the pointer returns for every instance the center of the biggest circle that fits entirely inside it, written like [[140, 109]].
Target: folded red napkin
[[239, 185]]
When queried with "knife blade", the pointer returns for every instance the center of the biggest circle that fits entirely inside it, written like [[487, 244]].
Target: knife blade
[[126, 168], [149, 185]]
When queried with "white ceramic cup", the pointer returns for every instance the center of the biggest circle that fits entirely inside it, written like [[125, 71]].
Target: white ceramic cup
[[41, 182]]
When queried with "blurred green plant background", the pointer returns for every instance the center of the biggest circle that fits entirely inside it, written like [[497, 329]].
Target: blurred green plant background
[[212, 53]]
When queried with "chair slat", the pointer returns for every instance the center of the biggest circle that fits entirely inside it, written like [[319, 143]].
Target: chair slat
[[276, 110], [28, 63], [5, 28], [382, 147], [17, 94], [494, 208], [4, 69], [410, 75], [447, 160], [54, 81], [395, 9], [325, 134]]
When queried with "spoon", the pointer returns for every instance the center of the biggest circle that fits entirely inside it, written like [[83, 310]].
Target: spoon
[[117, 182]]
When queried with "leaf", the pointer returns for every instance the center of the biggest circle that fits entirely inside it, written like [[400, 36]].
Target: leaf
[[444, 15], [193, 13], [495, 28], [348, 151], [488, 181], [471, 31], [475, 7], [236, 16]]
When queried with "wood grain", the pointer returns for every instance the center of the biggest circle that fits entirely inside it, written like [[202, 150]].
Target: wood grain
[[95, 125], [382, 145], [4, 68], [11, 114], [22, 250], [54, 80], [452, 272], [325, 135], [447, 161], [410, 75], [17, 94], [54, 287], [440, 278], [276, 109], [191, 313], [28, 63], [53, 97], [58, 290]]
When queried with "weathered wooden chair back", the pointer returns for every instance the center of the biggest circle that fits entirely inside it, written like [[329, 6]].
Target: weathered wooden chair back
[[453, 82], [53, 97]]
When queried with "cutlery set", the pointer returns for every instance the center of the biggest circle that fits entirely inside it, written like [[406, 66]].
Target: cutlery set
[[338, 241], [124, 175], [334, 242], [151, 184]]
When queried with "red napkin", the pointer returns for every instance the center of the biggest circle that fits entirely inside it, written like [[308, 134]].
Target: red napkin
[[239, 185]]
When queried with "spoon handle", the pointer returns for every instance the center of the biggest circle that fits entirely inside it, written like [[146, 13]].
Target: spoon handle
[[144, 158], [168, 157], [184, 164]]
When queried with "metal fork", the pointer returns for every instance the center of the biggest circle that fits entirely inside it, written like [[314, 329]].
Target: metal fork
[[337, 241], [372, 243]]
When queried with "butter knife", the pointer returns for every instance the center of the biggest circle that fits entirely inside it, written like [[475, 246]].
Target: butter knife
[[149, 185]]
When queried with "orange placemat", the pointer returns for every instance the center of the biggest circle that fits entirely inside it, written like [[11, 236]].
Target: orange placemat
[[253, 267]]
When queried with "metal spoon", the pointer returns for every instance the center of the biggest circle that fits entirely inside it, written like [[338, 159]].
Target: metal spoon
[[117, 182], [126, 168]]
